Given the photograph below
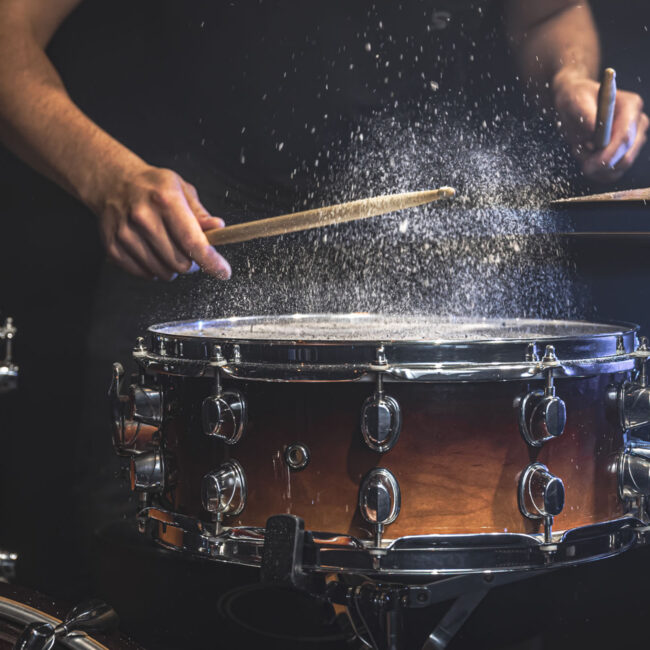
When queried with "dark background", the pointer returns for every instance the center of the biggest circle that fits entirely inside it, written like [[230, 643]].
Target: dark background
[[59, 479]]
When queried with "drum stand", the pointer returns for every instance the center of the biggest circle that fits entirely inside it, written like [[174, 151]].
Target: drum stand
[[376, 608]]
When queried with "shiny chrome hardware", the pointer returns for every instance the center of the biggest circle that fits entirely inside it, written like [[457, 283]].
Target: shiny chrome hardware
[[422, 556], [542, 415], [297, 456], [130, 436], [224, 416], [541, 494], [8, 369], [379, 500], [633, 405], [223, 491], [91, 617], [148, 472], [381, 419], [633, 398], [634, 470], [118, 404], [145, 405]]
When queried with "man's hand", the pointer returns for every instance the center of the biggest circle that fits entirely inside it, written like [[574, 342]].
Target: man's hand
[[152, 223], [576, 101]]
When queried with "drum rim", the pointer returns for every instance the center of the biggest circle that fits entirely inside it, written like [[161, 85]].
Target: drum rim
[[24, 614], [461, 360], [618, 328]]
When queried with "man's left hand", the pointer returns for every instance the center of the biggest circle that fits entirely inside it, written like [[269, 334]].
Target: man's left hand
[[576, 101]]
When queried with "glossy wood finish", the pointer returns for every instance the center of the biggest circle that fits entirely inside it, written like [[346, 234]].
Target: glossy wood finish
[[458, 459]]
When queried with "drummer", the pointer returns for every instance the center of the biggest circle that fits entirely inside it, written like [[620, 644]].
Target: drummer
[[151, 217]]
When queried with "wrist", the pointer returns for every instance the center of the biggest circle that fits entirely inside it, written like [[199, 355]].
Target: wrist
[[568, 75], [97, 183]]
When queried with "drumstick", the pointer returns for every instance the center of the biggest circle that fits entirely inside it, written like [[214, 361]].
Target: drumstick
[[605, 115], [352, 211], [641, 195]]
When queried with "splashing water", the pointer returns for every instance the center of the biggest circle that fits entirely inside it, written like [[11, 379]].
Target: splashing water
[[490, 252]]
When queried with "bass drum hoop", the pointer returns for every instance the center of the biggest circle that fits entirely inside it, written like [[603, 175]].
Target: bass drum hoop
[[17, 612]]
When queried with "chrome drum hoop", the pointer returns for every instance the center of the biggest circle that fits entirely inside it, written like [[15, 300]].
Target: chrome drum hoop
[[413, 556], [582, 350], [17, 612]]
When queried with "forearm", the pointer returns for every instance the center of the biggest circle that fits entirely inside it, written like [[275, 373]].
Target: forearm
[[552, 39], [40, 123]]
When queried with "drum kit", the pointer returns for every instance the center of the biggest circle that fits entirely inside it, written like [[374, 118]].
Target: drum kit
[[29, 621], [382, 463], [389, 462]]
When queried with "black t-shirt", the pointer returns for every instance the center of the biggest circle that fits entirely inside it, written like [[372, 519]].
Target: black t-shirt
[[263, 91]]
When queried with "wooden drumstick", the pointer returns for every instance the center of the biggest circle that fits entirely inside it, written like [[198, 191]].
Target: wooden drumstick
[[605, 115], [352, 211]]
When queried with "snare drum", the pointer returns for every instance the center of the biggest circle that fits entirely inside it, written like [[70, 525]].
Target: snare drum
[[407, 445]]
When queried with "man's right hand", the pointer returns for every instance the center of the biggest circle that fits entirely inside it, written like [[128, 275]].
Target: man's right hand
[[152, 224]]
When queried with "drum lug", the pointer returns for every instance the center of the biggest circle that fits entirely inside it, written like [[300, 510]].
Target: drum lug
[[542, 415], [224, 490], [541, 496], [145, 405], [136, 417], [379, 500], [633, 398], [381, 419], [148, 472], [634, 475], [224, 414]]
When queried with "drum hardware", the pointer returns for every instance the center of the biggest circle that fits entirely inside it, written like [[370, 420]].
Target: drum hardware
[[7, 566], [542, 415], [8, 369], [633, 398], [634, 476], [541, 496], [148, 472], [379, 502], [297, 456], [136, 417], [224, 414], [92, 617], [145, 405], [223, 491], [381, 419]]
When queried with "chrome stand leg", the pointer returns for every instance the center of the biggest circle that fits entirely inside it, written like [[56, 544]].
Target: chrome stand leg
[[454, 619], [393, 630]]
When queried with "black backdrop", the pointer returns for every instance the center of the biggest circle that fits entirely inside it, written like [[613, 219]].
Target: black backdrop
[[50, 266]]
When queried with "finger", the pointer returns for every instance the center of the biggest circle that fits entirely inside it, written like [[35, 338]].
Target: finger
[[140, 250], [624, 127], [205, 219], [598, 169], [150, 225], [188, 235], [120, 256], [628, 159]]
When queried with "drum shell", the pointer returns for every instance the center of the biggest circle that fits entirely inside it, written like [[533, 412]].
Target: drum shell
[[458, 459]]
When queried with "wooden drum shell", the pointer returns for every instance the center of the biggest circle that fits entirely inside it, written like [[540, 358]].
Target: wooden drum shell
[[458, 459]]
